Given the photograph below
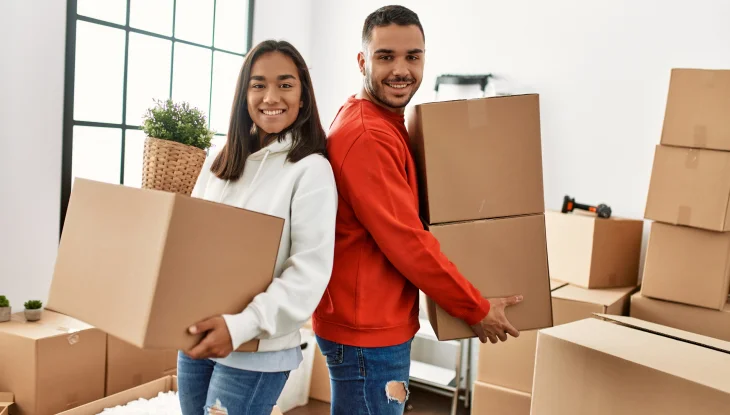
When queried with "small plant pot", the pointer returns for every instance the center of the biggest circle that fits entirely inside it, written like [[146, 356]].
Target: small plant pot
[[5, 314], [33, 315], [170, 166]]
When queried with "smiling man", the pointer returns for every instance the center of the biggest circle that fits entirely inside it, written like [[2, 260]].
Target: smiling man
[[368, 316]]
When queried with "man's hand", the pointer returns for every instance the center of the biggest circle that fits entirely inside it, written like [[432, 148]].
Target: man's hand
[[217, 342], [495, 325]]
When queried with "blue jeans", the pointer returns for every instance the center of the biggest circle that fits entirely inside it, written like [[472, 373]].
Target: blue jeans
[[368, 381], [205, 386]]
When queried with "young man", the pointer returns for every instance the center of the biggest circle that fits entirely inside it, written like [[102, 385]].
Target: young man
[[369, 314]]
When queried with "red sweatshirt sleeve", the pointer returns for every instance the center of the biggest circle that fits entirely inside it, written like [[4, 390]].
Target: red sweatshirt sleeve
[[373, 180]]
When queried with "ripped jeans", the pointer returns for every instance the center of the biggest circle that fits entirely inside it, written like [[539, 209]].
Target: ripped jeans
[[367, 381], [209, 388]]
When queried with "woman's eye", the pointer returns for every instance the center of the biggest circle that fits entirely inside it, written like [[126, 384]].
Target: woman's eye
[[286, 85], [257, 86]]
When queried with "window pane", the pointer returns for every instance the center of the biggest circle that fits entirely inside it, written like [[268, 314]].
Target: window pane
[[194, 21], [114, 11], [97, 153], [133, 152], [191, 76], [99, 73], [151, 15], [231, 25], [149, 74], [217, 143], [225, 75]]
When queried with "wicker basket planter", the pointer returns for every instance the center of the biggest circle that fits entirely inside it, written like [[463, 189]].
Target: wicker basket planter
[[171, 166]]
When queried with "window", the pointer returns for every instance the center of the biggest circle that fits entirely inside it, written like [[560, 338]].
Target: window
[[121, 55]]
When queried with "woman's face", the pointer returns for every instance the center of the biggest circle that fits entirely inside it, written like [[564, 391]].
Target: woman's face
[[274, 93]]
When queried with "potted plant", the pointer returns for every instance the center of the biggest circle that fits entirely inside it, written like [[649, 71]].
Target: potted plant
[[175, 149], [4, 309], [33, 310]]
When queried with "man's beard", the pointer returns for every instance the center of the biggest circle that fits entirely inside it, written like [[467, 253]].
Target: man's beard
[[376, 90]]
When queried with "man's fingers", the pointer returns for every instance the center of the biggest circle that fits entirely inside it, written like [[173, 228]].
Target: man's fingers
[[515, 299], [511, 330], [493, 339], [501, 335]]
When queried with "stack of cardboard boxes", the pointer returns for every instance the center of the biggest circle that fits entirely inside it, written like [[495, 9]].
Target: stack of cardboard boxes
[[686, 278]]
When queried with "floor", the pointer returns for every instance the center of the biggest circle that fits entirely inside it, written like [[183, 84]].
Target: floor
[[421, 402]]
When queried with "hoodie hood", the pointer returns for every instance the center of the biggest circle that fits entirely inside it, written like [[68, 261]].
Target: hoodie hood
[[275, 147]]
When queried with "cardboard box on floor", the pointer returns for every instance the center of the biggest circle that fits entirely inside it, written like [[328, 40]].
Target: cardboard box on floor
[[7, 400], [501, 258], [698, 104], [147, 391], [495, 400], [703, 321], [593, 252], [631, 367], [687, 265], [144, 265], [478, 158], [690, 187], [128, 366], [51, 365], [511, 364]]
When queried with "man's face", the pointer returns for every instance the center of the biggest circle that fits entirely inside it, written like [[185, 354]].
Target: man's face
[[393, 64]]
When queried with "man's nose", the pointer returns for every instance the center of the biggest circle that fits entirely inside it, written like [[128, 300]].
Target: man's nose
[[400, 68]]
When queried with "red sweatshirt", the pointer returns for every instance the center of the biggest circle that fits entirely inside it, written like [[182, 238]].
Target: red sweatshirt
[[383, 255]]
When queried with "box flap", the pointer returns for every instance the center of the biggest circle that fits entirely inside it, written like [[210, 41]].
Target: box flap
[[51, 324], [146, 391], [700, 365], [605, 296], [681, 335]]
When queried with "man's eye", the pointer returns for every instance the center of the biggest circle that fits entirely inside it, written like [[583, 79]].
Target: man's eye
[[412, 57], [386, 58]]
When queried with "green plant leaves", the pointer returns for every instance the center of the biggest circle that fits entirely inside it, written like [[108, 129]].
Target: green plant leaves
[[33, 305], [177, 122]]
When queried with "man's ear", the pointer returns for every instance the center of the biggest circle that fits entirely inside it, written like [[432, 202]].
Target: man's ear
[[361, 62]]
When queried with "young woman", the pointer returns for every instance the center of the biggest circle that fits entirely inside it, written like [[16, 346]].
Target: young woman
[[273, 162]]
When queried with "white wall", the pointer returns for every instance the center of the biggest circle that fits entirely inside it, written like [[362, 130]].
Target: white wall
[[288, 20], [32, 46]]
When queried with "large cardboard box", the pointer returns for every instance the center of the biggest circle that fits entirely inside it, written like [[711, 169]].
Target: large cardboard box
[[511, 364], [51, 365], [690, 187], [147, 391], [128, 366], [7, 400], [494, 400], [697, 109], [501, 258], [478, 158], [144, 265], [687, 265], [593, 252], [711, 323], [600, 368]]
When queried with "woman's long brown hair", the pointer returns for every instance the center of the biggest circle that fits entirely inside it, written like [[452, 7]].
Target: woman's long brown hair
[[308, 136]]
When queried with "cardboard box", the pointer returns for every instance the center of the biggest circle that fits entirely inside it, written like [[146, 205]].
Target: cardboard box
[[145, 265], [478, 158], [690, 187], [7, 400], [687, 265], [633, 368], [697, 109], [147, 391], [703, 321], [511, 364], [128, 366], [501, 258], [592, 252], [51, 365], [320, 388], [494, 400]]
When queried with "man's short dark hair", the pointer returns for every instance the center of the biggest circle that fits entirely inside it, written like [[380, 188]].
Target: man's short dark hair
[[388, 15]]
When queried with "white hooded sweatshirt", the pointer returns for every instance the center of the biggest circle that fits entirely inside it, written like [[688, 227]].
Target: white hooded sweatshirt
[[304, 194]]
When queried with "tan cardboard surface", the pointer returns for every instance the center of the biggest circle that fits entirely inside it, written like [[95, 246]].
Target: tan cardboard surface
[[320, 388], [698, 103], [704, 321], [55, 364], [494, 400], [690, 187], [596, 367], [6, 402], [592, 252], [501, 258], [687, 265], [128, 366], [512, 364], [145, 265], [479, 158]]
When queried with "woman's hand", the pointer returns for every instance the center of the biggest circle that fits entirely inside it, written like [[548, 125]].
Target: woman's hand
[[217, 342]]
